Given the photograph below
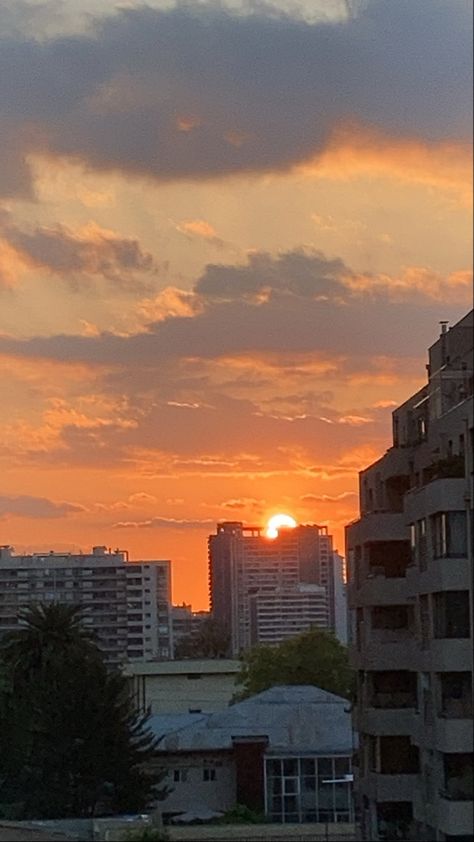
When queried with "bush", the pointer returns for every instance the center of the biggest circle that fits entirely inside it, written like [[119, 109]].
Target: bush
[[146, 834], [240, 814]]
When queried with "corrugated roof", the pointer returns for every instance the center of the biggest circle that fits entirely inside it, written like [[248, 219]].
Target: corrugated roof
[[295, 719]]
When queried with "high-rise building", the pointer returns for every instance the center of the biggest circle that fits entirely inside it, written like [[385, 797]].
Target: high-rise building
[[185, 621], [127, 603], [410, 568], [256, 582]]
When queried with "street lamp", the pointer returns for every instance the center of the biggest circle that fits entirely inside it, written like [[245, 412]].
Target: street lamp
[[346, 779]]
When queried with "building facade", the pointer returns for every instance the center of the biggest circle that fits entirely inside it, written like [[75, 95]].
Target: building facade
[[410, 570], [127, 603], [255, 582], [286, 752], [194, 685]]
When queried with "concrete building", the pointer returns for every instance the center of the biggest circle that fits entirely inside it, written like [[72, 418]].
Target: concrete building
[[410, 594], [185, 621], [286, 752], [188, 686], [252, 576], [127, 603]]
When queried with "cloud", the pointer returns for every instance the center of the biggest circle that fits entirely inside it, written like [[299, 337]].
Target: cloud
[[297, 303], [327, 498], [164, 523], [201, 230], [141, 91], [27, 506], [92, 251]]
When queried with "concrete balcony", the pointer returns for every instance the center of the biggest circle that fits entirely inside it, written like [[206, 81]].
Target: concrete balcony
[[375, 655], [379, 526], [380, 787], [455, 818], [440, 495], [385, 721], [453, 735], [442, 574], [446, 655], [380, 590]]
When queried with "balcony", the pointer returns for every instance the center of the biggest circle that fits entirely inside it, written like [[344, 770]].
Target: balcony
[[442, 574], [440, 495], [396, 787], [446, 655], [389, 721], [451, 467], [379, 590], [455, 818], [453, 735]]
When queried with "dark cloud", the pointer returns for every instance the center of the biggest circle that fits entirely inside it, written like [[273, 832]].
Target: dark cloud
[[199, 91], [34, 507], [306, 310], [69, 254]]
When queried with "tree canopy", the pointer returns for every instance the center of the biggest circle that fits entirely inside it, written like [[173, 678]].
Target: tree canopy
[[314, 657], [71, 741], [209, 641]]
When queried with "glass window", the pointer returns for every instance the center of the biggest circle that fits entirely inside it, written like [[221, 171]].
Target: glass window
[[290, 785], [307, 767], [325, 767], [274, 767], [341, 767], [290, 767], [209, 774]]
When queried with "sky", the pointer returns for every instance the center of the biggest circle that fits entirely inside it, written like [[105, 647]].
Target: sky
[[228, 233]]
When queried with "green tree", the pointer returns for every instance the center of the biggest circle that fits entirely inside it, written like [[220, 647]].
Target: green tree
[[79, 745], [209, 641], [314, 657]]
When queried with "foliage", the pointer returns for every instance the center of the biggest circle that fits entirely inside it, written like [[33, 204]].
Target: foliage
[[314, 657], [240, 814], [209, 641], [71, 742], [146, 834]]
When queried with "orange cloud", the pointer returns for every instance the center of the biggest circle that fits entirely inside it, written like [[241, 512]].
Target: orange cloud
[[357, 151]]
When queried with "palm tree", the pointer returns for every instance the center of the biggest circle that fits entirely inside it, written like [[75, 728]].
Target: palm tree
[[48, 632]]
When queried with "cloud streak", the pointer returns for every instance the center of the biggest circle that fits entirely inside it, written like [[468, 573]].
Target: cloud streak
[[26, 506]]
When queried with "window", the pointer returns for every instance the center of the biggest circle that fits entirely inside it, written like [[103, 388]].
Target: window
[[209, 774], [180, 776], [449, 535]]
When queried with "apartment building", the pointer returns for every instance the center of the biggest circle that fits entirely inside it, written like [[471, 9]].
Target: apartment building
[[127, 603], [255, 582], [410, 570], [185, 621]]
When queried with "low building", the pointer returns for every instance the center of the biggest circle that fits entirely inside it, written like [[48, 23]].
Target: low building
[[286, 752], [188, 686]]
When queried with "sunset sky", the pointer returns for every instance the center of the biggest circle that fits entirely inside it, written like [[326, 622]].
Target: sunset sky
[[228, 231]]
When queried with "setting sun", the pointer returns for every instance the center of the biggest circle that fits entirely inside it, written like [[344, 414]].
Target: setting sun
[[276, 522]]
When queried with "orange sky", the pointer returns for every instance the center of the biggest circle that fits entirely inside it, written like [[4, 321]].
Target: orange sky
[[220, 268]]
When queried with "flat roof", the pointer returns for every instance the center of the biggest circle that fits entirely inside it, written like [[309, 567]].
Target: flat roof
[[185, 666]]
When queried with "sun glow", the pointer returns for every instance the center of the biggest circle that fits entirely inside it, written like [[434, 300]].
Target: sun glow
[[276, 522]]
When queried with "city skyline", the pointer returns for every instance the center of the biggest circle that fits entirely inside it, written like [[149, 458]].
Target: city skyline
[[220, 268]]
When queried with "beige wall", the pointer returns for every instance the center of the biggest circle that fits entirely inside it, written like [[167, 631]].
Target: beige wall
[[183, 686]]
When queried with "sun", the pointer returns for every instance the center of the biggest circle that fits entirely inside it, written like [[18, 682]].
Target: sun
[[276, 522]]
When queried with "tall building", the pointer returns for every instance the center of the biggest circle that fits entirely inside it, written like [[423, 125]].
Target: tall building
[[127, 603], [411, 603], [185, 621], [257, 584]]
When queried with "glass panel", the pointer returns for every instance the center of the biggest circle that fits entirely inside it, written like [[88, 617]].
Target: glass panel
[[325, 767], [290, 767], [325, 816], [325, 795], [290, 804], [291, 818], [341, 767], [308, 784], [290, 786], [310, 816], [275, 786], [274, 768], [276, 804], [341, 796], [307, 767]]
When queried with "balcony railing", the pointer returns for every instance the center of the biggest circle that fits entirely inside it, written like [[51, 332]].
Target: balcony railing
[[397, 699], [452, 467]]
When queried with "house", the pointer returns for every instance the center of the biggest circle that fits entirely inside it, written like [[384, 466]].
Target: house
[[286, 752]]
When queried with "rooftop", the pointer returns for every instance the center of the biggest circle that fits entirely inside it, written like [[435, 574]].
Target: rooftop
[[294, 719]]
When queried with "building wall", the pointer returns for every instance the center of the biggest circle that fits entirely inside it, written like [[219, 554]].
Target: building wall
[[245, 567], [410, 597], [126, 603], [183, 686], [198, 781]]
